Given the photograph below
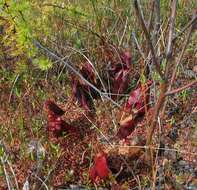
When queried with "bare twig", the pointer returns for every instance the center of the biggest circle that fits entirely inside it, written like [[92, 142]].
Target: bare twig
[[81, 53], [171, 30], [181, 88], [182, 53], [148, 37], [179, 61], [163, 85], [191, 22], [157, 20], [157, 108], [155, 148], [170, 37], [151, 16]]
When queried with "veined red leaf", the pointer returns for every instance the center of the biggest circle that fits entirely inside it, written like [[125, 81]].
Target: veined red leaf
[[88, 72], [127, 126], [139, 97], [58, 126], [119, 74], [136, 100], [80, 92], [121, 82], [126, 58], [55, 124], [53, 109], [83, 92], [100, 168]]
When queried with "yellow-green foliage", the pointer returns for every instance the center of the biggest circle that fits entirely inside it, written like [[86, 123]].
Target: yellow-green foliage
[[77, 23]]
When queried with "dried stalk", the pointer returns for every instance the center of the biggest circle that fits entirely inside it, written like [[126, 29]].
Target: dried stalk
[[181, 88], [151, 16], [157, 108], [157, 21], [191, 22], [179, 61], [180, 57], [170, 38], [163, 87], [148, 38]]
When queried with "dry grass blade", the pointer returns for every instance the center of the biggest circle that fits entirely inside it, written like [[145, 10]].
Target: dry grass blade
[[138, 46], [9, 185]]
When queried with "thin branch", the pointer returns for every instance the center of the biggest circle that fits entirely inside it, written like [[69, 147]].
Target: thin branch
[[81, 53], [170, 37], [151, 16], [191, 22], [171, 28], [157, 108], [181, 56], [148, 37], [157, 21], [71, 68], [154, 148], [179, 61], [181, 88], [43, 183]]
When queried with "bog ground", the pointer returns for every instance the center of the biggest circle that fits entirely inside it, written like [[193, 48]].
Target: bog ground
[[98, 94]]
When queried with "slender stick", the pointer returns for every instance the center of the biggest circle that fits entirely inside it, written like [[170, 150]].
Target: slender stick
[[181, 88], [191, 22], [179, 62], [157, 108], [151, 16], [182, 53], [157, 21], [148, 37], [171, 28], [170, 37], [163, 85]]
